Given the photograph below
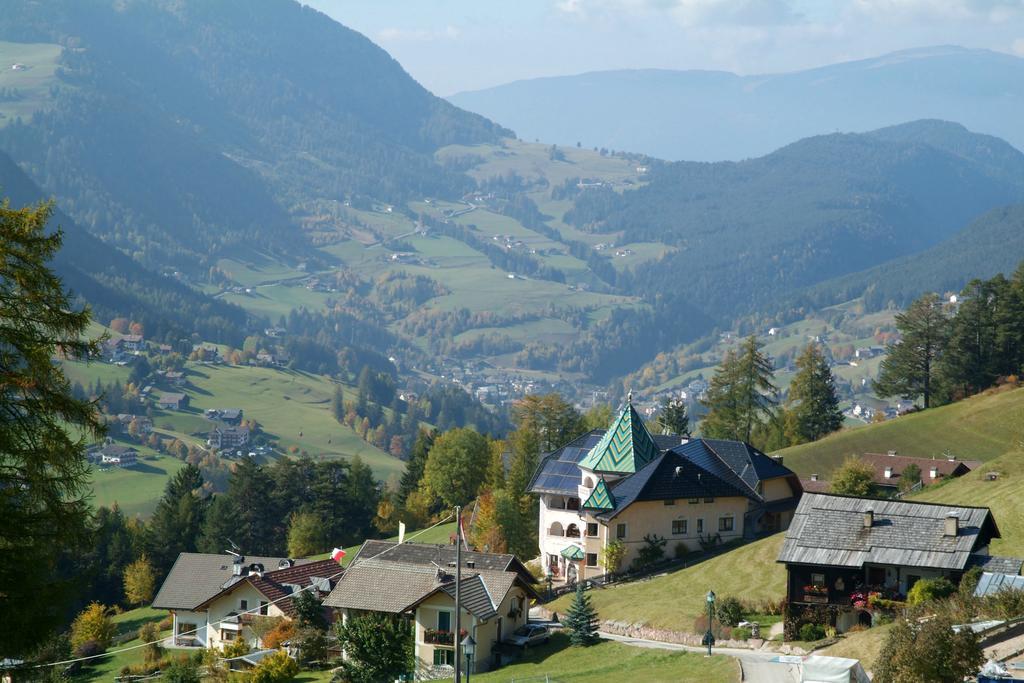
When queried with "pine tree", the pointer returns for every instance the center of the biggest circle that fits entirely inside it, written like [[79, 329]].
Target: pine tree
[[910, 366], [581, 619], [177, 520], [741, 395], [44, 478], [417, 461], [812, 408], [672, 418], [338, 404]]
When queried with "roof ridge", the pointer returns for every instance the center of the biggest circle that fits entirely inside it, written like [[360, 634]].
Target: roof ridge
[[891, 500]]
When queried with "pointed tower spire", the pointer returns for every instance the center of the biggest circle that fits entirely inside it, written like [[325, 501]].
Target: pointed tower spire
[[625, 447]]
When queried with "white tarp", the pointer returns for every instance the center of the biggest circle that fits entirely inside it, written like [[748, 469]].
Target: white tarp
[[820, 669]]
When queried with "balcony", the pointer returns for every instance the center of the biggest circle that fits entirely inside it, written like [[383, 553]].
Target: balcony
[[435, 637]]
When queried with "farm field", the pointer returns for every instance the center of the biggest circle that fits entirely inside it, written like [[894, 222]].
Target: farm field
[[31, 83], [674, 600], [609, 662], [135, 489], [978, 428]]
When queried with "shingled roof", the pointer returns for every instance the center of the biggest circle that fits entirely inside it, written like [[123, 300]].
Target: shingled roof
[[671, 476], [277, 586], [196, 577], [625, 447], [734, 461], [600, 498], [944, 467], [410, 573], [829, 530]]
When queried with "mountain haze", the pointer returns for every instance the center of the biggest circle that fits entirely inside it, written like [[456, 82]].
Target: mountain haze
[[714, 115], [180, 129]]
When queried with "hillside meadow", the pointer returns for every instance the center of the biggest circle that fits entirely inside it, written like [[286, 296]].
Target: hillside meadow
[[981, 427]]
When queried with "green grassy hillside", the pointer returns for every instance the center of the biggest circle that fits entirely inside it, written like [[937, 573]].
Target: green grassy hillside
[[1003, 496], [26, 89], [982, 427], [135, 489], [673, 601]]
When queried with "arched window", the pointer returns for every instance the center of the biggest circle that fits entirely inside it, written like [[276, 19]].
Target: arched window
[[572, 531], [556, 529], [588, 482]]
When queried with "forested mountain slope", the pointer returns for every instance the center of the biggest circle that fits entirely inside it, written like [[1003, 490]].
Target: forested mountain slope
[[994, 243], [115, 285], [715, 115], [180, 128], [747, 234]]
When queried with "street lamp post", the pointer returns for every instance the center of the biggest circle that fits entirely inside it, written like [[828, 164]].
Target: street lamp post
[[548, 577], [469, 647], [709, 637]]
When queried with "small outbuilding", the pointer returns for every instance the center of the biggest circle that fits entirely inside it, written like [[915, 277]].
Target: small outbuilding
[[821, 669]]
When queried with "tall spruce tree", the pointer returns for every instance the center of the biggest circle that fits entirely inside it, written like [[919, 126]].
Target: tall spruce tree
[[741, 395], [812, 407], [581, 619], [43, 471], [178, 519], [910, 367], [417, 461]]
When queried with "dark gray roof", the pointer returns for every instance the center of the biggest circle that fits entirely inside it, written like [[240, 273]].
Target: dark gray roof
[[733, 461], [197, 577], [829, 530], [668, 477], [431, 554], [996, 563], [409, 573]]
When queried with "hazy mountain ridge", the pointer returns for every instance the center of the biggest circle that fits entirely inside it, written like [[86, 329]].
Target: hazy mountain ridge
[[715, 115], [192, 127], [114, 285]]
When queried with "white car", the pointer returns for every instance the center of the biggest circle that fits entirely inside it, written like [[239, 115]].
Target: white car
[[531, 634]]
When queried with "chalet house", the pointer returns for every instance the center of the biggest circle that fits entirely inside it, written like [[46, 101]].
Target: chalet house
[[225, 437], [417, 580], [839, 549], [130, 343], [172, 401], [175, 378], [263, 593], [114, 455], [889, 467], [214, 598], [623, 484]]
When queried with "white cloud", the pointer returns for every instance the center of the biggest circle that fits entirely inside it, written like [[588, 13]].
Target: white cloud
[[419, 35], [1018, 47], [940, 10], [689, 12]]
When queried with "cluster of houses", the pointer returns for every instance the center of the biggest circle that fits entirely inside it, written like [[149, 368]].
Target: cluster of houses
[[216, 599], [889, 472], [617, 487]]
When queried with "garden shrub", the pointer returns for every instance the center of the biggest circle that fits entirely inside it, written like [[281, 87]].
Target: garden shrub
[[928, 590], [812, 632], [653, 550], [729, 611], [741, 633], [681, 550], [89, 648]]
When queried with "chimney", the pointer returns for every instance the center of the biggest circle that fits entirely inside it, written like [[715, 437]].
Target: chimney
[[934, 472], [952, 524], [888, 473], [777, 458], [869, 518], [679, 470], [814, 477]]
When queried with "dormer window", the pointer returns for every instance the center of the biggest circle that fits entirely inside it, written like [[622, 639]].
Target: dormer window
[[588, 482]]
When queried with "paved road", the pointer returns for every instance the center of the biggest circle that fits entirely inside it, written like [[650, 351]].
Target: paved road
[[757, 665]]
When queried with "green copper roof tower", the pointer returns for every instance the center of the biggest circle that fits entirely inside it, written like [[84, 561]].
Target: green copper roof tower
[[625, 448], [601, 498]]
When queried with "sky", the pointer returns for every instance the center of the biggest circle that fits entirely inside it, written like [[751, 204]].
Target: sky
[[455, 45]]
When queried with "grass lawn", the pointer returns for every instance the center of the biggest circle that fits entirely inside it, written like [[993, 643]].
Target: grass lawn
[[863, 645], [1003, 496], [673, 601], [610, 662], [978, 428], [135, 489], [107, 668]]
